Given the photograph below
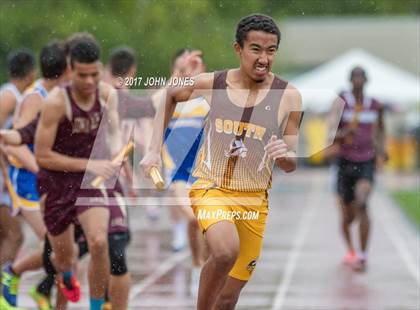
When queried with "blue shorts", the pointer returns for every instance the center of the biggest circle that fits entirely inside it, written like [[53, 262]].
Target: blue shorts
[[24, 185], [181, 147]]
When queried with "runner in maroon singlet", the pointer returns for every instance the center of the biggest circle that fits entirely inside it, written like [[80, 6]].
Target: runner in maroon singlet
[[67, 130], [118, 236], [361, 139]]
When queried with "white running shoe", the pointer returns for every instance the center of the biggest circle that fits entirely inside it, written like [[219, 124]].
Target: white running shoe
[[361, 262], [153, 213]]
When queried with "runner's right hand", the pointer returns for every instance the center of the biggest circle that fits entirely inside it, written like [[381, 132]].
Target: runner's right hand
[[151, 159], [102, 168], [188, 64]]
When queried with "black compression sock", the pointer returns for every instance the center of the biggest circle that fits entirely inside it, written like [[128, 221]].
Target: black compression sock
[[45, 286]]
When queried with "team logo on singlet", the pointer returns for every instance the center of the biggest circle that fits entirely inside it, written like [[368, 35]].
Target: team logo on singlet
[[251, 266], [83, 124], [237, 148]]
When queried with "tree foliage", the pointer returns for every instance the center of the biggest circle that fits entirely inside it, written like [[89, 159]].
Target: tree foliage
[[156, 29]]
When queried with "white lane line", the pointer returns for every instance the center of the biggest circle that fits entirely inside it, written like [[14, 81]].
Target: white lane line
[[299, 240], [163, 268], [394, 234]]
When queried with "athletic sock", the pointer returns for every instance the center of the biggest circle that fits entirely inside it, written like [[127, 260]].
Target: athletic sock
[[45, 286], [179, 227], [179, 238], [96, 304], [67, 278], [363, 255], [12, 271], [106, 295]]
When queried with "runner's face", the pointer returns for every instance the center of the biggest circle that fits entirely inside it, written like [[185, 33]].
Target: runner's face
[[257, 55], [358, 80], [85, 77]]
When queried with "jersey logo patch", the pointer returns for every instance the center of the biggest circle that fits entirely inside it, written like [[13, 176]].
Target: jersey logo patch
[[237, 148]]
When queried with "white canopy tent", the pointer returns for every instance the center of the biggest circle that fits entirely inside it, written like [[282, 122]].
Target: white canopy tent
[[386, 82]]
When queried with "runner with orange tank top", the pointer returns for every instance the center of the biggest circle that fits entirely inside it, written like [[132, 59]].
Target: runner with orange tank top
[[252, 123]]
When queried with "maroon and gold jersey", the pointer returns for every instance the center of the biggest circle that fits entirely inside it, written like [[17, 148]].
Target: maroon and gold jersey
[[361, 147], [232, 155], [76, 136]]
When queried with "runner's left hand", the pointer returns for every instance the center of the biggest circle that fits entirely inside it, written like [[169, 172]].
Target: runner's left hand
[[381, 160], [276, 148]]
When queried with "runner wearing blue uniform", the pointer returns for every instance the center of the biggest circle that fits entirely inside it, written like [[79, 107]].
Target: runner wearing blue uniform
[[21, 70], [182, 141], [22, 173]]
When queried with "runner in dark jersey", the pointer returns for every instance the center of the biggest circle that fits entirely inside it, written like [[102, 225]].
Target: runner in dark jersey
[[118, 237], [118, 234], [361, 144], [236, 158], [66, 133]]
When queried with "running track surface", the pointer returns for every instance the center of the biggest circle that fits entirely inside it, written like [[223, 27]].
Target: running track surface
[[300, 267]]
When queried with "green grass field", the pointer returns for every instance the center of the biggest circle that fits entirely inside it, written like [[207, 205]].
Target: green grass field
[[410, 203]]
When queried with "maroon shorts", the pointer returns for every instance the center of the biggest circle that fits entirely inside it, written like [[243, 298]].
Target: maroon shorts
[[65, 201]]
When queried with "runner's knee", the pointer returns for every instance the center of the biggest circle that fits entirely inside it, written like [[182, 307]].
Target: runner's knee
[[224, 259], [16, 238], [362, 191], [363, 214], [347, 215], [348, 221], [64, 262], [227, 301], [349, 218], [97, 245]]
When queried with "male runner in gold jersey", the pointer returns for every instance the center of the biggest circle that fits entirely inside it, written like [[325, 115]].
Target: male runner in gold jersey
[[253, 121]]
